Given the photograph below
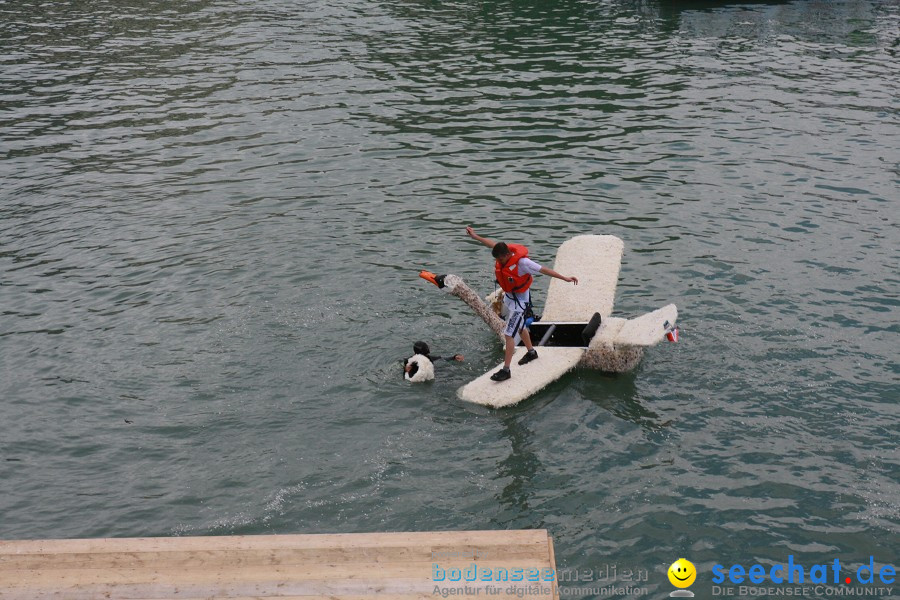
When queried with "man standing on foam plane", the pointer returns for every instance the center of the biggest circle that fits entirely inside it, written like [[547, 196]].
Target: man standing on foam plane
[[515, 273]]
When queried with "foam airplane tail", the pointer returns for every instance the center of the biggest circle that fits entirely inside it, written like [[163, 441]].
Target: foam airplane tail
[[649, 329], [619, 343]]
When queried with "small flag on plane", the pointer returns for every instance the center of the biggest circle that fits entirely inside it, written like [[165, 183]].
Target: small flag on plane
[[671, 332]]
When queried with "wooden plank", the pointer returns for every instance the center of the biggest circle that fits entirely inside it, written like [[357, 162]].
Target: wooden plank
[[261, 557], [381, 596], [212, 571], [383, 593], [553, 566], [351, 566], [342, 540], [268, 589]]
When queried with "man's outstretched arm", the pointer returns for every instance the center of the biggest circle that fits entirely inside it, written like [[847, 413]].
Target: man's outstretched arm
[[552, 273], [471, 233]]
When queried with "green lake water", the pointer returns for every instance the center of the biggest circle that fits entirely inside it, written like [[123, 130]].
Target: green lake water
[[213, 215]]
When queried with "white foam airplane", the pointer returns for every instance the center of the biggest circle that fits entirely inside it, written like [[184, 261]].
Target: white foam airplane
[[576, 328]]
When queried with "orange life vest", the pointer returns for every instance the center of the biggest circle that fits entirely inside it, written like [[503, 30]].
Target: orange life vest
[[508, 274]]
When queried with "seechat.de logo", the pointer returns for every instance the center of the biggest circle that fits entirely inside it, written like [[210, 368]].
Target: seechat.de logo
[[796, 573], [682, 574]]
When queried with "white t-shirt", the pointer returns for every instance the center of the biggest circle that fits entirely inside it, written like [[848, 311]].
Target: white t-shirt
[[528, 267]]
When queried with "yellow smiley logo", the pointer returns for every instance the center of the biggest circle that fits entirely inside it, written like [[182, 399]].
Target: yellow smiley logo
[[682, 573]]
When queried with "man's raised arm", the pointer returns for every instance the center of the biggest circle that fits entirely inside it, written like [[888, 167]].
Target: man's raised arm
[[471, 233]]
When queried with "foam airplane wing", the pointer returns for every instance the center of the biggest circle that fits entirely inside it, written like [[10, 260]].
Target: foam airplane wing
[[595, 261], [526, 380]]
